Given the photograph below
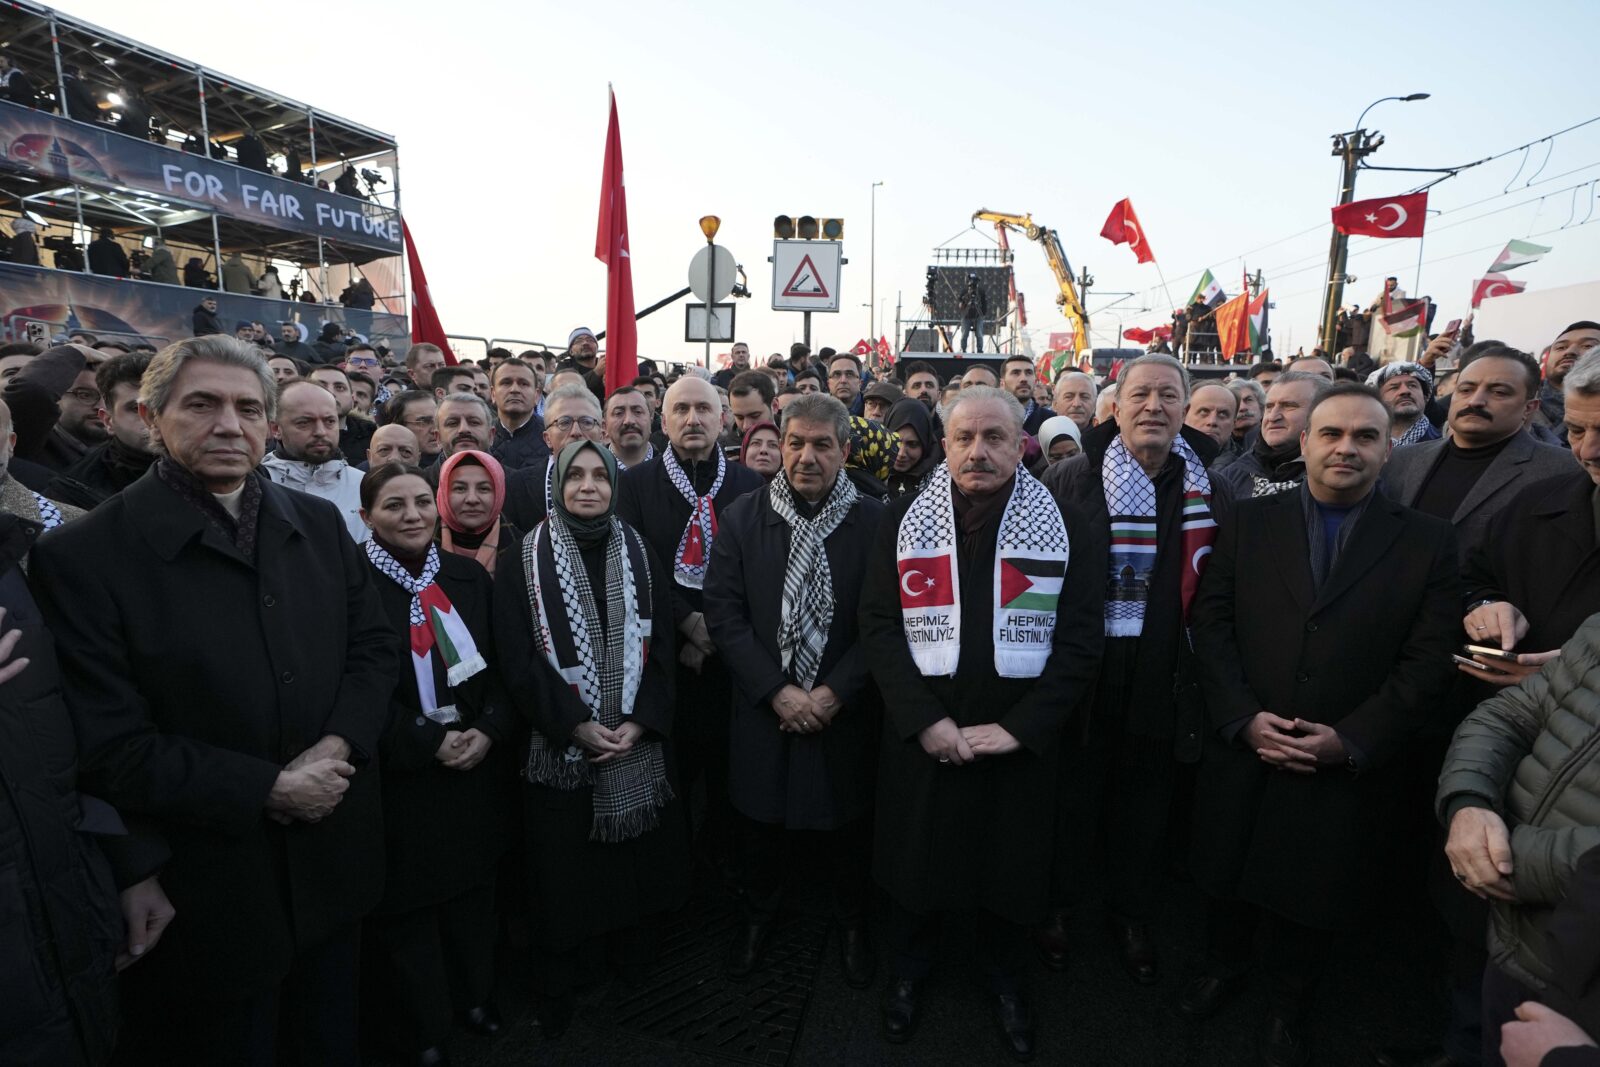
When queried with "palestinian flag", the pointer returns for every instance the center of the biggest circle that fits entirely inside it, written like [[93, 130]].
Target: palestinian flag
[[1258, 322], [1518, 254], [1207, 290], [1030, 584], [444, 629], [1405, 319]]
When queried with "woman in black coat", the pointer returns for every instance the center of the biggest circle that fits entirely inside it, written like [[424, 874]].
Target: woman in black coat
[[444, 773], [920, 449], [606, 844]]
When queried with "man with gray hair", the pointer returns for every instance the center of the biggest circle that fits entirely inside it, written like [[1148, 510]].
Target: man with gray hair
[[802, 732], [1274, 463], [465, 421], [1142, 487], [1074, 396], [228, 666], [982, 630], [1252, 399], [308, 458]]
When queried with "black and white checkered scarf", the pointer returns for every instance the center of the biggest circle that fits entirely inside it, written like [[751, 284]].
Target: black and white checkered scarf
[[807, 579]]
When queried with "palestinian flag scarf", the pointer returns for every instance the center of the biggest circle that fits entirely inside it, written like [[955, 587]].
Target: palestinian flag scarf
[[1131, 502], [436, 628], [1030, 564], [603, 665], [694, 547]]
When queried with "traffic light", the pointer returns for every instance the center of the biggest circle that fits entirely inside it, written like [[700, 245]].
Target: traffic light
[[807, 228]]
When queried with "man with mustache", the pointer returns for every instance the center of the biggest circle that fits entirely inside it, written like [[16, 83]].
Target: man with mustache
[[1141, 483], [627, 427], [1406, 388], [1074, 396], [980, 619], [1467, 479], [1302, 775], [308, 456]]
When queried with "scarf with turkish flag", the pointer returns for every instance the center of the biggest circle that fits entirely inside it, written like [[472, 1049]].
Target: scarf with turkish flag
[[611, 248], [425, 325], [1122, 227], [1389, 216]]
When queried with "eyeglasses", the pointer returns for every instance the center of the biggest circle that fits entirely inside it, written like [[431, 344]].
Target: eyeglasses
[[85, 396], [584, 423]]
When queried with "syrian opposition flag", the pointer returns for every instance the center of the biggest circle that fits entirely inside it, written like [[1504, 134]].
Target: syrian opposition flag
[[1495, 285], [1517, 254], [1393, 216], [612, 247], [1122, 227], [1207, 290]]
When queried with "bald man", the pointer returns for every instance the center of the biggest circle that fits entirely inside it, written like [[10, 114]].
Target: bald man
[[308, 456], [1212, 408], [673, 501], [392, 443]]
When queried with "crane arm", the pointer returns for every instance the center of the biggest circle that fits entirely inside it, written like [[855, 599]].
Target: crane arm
[[1068, 299]]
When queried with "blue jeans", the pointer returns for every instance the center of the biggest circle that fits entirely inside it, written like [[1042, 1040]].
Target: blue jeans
[[967, 328]]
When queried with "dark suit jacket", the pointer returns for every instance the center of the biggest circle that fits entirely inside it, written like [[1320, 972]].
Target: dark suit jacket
[[1368, 653], [1543, 555], [1524, 461], [805, 782], [193, 676]]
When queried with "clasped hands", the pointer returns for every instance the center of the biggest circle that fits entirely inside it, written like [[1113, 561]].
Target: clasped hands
[[605, 745], [1293, 744], [800, 712], [311, 786], [696, 645], [462, 750], [949, 743]]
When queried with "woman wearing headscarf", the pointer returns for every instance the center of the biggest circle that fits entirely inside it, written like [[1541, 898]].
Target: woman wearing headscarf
[[762, 450], [920, 449], [871, 458], [444, 775], [1060, 439], [472, 492], [583, 622]]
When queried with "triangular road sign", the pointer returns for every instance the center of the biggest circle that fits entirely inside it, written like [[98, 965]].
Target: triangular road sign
[[806, 281]]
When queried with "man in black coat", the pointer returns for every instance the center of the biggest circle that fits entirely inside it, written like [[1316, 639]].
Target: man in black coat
[[64, 938], [674, 501], [106, 256], [781, 597], [1317, 670], [1017, 376], [518, 431], [228, 666], [1136, 481], [205, 318], [976, 696], [1272, 463], [111, 467]]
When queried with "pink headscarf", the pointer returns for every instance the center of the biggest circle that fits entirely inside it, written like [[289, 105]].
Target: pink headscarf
[[449, 525]]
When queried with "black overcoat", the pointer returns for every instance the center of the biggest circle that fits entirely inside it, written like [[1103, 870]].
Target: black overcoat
[[582, 888], [193, 677], [444, 830], [1368, 653], [815, 781], [979, 835]]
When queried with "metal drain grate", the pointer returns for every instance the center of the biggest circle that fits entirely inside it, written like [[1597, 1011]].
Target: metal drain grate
[[686, 1000]]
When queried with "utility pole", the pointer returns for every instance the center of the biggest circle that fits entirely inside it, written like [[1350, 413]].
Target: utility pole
[[1351, 148]]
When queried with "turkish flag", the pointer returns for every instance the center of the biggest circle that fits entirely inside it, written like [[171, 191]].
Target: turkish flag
[[925, 582], [1494, 285], [885, 353], [425, 325], [611, 248], [863, 348], [1122, 227], [1392, 216]]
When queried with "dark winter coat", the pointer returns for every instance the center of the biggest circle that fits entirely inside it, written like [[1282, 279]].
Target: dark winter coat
[[106, 470], [444, 830], [980, 835], [1307, 846], [523, 447], [107, 257], [818, 781], [24, 250], [60, 926], [193, 677], [1542, 554], [205, 321]]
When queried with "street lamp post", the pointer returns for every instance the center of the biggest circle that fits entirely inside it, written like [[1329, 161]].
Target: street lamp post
[[1351, 148], [872, 285]]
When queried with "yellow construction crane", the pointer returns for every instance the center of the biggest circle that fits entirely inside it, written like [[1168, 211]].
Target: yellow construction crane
[[1070, 298]]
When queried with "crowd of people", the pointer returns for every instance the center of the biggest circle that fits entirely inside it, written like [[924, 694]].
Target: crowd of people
[[327, 677]]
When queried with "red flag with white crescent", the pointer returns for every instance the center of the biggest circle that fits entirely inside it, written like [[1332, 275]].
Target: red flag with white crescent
[[611, 247], [1388, 216], [1122, 227], [425, 325], [1494, 285]]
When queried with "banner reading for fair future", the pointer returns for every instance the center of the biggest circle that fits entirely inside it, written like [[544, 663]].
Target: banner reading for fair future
[[54, 148]]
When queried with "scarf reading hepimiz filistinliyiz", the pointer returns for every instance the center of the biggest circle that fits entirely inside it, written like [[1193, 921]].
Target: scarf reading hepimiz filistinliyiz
[[807, 614], [1131, 502], [694, 547], [604, 665], [1030, 563], [436, 628]]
